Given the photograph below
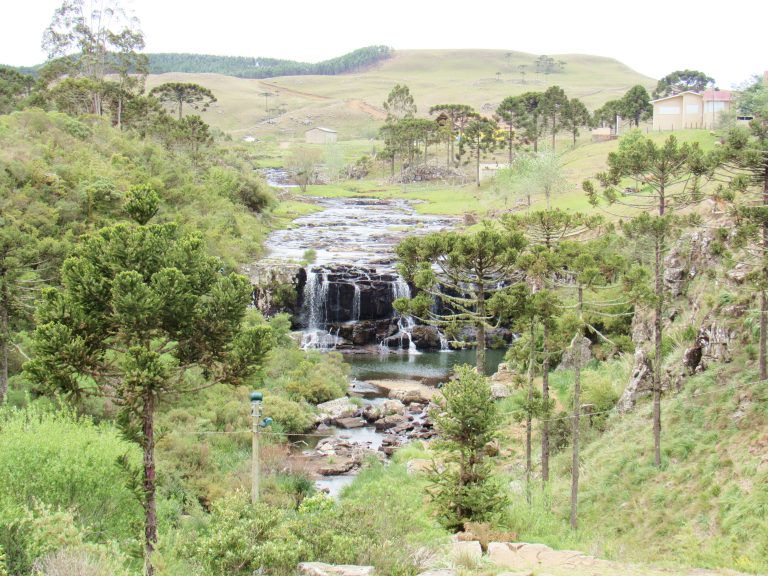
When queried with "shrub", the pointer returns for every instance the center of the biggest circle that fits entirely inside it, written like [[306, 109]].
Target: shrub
[[291, 416], [60, 460]]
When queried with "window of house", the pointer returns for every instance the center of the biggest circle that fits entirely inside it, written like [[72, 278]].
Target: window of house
[[669, 109], [718, 106], [691, 108]]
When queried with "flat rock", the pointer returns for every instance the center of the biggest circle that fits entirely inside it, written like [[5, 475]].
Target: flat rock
[[350, 422], [439, 572], [406, 391], [339, 408], [321, 569]]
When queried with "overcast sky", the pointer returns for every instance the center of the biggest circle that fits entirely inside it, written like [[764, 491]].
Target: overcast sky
[[654, 37]]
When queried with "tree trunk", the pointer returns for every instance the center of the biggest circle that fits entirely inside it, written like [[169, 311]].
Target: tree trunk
[[150, 508], [576, 414], [657, 360], [529, 415], [763, 329], [480, 348], [180, 103], [763, 299], [5, 334], [554, 131], [478, 165], [545, 403], [511, 136]]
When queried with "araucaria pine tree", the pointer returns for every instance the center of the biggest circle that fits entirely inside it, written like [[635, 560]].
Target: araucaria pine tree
[[140, 306], [466, 419], [669, 178]]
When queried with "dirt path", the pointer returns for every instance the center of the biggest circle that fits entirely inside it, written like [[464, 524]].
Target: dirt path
[[285, 90], [365, 108]]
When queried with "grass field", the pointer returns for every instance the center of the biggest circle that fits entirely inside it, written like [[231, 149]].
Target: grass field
[[492, 197], [351, 103]]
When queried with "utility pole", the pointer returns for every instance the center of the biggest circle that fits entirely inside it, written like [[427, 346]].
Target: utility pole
[[256, 398]]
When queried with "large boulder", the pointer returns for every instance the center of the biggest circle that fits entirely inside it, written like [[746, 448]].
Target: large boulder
[[572, 354], [426, 337], [335, 409]]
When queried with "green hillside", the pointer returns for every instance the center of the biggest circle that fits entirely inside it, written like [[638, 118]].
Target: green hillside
[[351, 103]]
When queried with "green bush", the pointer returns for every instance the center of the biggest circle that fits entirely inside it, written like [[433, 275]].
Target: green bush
[[291, 416], [307, 376], [55, 459]]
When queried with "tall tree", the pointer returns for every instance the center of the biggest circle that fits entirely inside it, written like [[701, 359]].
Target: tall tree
[[180, 93], [542, 262], [681, 81], [463, 271], [576, 116], [457, 116], [526, 114], [480, 137], [671, 175], [555, 108], [636, 105], [93, 41], [588, 267], [399, 104], [140, 306]]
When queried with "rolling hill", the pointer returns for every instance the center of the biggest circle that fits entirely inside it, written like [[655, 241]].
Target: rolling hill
[[284, 107]]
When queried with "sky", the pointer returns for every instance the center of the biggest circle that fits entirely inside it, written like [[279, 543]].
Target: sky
[[654, 37]]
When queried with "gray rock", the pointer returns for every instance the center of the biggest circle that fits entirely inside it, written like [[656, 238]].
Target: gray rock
[[339, 408], [321, 569], [570, 355], [348, 423], [640, 382]]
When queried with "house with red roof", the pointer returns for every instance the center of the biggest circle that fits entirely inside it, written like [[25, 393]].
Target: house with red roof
[[691, 110]]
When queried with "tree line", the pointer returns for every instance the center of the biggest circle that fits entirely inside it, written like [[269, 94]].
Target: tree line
[[469, 136], [258, 67]]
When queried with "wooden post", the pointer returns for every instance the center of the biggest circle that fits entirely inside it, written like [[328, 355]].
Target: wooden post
[[255, 464]]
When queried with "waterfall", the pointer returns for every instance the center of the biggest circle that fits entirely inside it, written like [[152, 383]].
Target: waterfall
[[315, 311], [356, 304], [444, 346], [405, 323]]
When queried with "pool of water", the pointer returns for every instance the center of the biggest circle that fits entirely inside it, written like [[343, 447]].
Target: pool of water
[[434, 366]]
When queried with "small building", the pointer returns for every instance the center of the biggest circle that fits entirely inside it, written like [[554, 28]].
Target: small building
[[320, 135], [691, 110]]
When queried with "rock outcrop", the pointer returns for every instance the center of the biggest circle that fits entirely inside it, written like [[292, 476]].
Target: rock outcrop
[[568, 361], [640, 383], [276, 286]]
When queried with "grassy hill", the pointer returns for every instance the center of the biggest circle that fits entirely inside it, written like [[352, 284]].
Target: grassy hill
[[351, 103]]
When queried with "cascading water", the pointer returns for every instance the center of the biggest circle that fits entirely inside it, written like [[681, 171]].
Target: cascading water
[[405, 323], [356, 304], [316, 336]]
